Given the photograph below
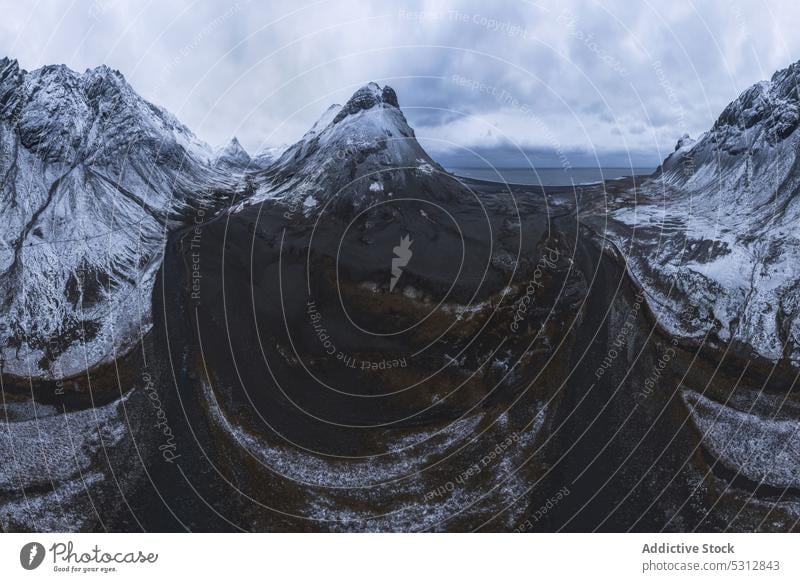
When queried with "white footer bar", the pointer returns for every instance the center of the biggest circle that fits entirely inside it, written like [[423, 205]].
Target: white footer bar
[[390, 557]]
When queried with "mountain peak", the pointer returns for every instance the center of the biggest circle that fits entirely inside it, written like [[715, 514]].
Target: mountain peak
[[685, 141], [10, 78], [105, 83], [771, 107], [233, 153], [369, 96], [366, 153], [7, 63], [104, 74], [745, 140]]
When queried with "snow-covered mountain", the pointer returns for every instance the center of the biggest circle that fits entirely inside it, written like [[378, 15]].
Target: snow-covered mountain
[[354, 156], [232, 156], [93, 178], [716, 241]]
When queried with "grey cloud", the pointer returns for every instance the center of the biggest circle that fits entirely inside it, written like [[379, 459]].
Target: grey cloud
[[582, 76]]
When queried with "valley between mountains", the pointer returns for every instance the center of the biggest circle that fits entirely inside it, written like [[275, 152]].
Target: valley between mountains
[[344, 336]]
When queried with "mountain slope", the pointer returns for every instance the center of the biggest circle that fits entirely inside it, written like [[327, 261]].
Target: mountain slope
[[93, 178], [715, 238], [353, 157]]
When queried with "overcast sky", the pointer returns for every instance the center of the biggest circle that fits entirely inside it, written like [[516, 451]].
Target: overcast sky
[[614, 83]]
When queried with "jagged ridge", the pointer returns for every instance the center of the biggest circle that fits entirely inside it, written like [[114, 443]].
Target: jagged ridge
[[719, 223], [93, 178], [354, 156]]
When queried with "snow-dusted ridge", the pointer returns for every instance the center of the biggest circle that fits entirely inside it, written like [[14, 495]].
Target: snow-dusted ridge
[[357, 154], [716, 227], [94, 177], [232, 154]]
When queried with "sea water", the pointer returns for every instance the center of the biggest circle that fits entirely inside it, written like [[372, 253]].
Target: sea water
[[549, 176]]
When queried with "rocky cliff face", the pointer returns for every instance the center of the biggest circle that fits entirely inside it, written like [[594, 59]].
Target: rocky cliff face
[[93, 178], [716, 241]]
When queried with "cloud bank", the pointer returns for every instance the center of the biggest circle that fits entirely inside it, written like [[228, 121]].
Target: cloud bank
[[606, 84]]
